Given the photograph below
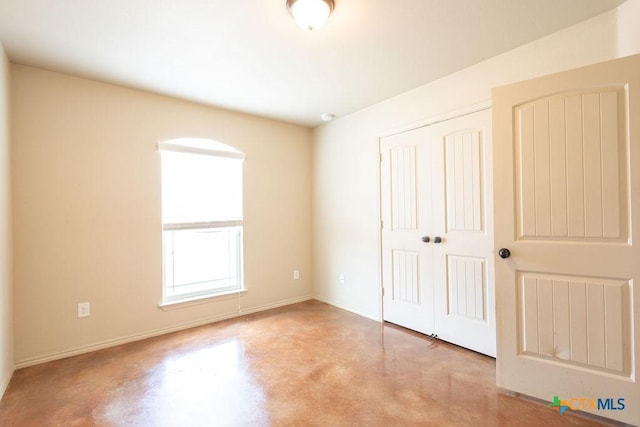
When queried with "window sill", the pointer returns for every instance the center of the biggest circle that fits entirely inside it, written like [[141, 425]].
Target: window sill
[[204, 299]]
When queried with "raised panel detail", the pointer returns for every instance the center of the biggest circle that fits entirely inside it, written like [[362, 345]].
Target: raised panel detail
[[404, 206], [576, 320], [466, 287], [571, 170], [406, 276], [463, 169]]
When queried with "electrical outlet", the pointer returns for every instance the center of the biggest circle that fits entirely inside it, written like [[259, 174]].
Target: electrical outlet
[[342, 278], [84, 309], [296, 274]]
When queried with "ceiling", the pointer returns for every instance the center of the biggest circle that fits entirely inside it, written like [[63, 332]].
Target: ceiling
[[250, 56]]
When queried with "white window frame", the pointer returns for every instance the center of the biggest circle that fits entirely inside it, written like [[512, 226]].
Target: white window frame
[[212, 148]]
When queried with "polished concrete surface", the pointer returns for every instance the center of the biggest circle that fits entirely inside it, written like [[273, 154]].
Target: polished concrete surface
[[308, 364]]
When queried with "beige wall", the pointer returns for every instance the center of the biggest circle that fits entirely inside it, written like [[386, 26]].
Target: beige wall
[[87, 211], [6, 298], [345, 177], [86, 195]]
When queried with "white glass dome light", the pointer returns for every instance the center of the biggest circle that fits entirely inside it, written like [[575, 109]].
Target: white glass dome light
[[310, 14]]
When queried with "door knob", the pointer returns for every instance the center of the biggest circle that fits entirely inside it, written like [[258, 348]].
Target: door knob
[[426, 239], [504, 253], [437, 239]]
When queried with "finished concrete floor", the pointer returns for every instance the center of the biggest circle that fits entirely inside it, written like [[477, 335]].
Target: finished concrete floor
[[307, 364]]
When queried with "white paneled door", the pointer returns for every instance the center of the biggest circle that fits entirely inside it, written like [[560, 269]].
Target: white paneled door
[[437, 233], [464, 296], [406, 213], [567, 209]]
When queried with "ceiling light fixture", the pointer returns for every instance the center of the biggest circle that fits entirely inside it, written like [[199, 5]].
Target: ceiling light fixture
[[310, 14]]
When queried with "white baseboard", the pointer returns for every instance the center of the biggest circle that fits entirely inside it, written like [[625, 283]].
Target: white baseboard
[[275, 305], [343, 307], [154, 333]]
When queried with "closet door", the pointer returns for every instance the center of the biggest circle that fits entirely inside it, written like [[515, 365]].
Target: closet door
[[463, 282], [437, 233], [407, 262]]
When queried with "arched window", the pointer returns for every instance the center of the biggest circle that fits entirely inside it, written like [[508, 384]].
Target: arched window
[[201, 218]]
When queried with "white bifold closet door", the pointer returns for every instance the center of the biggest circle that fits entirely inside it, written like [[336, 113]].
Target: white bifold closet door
[[437, 231]]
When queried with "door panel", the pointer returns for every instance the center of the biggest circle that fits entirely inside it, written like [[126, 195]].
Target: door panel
[[466, 287], [575, 320], [566, 197], [571, 171], [464, 181], [463, 261], [404, 194], [406, 274], [406, 213]]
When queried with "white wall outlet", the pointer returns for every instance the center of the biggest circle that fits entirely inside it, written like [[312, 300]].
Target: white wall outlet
[[296, 274], [84, 309], [342, 278]]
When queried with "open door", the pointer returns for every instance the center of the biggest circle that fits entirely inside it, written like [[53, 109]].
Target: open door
[[567, 236]]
